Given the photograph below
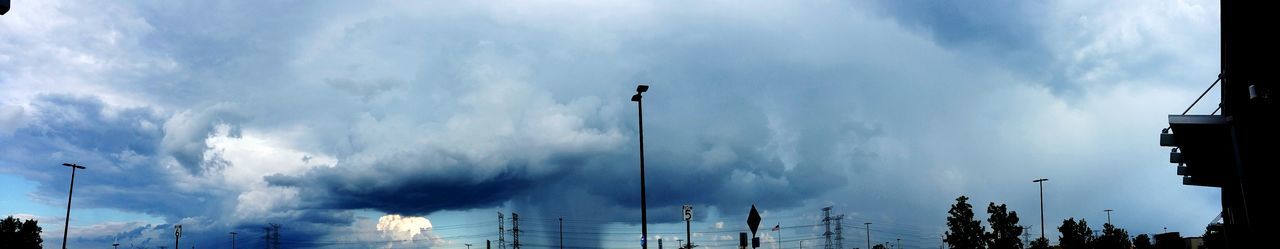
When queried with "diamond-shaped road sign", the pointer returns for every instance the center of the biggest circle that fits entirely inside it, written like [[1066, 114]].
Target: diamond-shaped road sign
[[753, 220]]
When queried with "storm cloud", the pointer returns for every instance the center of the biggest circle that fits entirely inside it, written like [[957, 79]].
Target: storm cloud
[[230, 115]]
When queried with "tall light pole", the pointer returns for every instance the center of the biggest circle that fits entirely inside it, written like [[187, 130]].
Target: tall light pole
[[1041, 181], [1108, 215], [66, 224], [468, 246], [644, 212], [868, 234], [233, 240], [561, 234]]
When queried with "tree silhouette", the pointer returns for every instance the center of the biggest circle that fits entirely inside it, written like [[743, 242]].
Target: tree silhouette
[[1040, 243], [1075, 235], [965, 231], [1143, 241], [18, 234], [1004, 228], [1112, 238]]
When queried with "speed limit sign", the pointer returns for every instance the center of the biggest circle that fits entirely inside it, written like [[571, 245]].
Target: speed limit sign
[[688, 212]]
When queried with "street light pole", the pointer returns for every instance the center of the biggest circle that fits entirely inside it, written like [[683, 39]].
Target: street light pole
[[644, 213], [561, 234], [868, 234], [1041, 181], [1108, 215], [66, 224], [233, 240]]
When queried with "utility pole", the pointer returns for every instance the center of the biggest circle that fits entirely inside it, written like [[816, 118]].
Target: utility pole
[[115, 245], [644, 213], [233, 240], [66, 224], [1041, 181], [1108, 216], [468, 246], [899, 243], [868, 234]]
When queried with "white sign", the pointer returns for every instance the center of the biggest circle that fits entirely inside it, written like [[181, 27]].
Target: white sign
[[177, 232], [688, 212]]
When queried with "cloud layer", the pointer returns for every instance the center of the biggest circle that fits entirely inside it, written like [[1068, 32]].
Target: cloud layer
[[229, 115]]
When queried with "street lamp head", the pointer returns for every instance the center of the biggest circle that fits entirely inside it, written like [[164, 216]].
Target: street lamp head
[[635, 98], [642, 88], [73, 165], [1040, 180]]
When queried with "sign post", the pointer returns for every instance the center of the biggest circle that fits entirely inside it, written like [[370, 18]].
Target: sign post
[[688, 215], [753, 221]]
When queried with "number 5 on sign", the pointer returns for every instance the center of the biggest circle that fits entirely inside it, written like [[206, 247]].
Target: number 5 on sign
[[688, 212]]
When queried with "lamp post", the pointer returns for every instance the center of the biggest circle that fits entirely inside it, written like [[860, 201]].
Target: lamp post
[[868, 234], [644, 213], [233, 240], [66, 224], [1108, 215], [561, 234], [1041, 181]]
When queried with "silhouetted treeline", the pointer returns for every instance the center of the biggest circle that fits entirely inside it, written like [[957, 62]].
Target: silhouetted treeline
[[18, 234], [967, 232]]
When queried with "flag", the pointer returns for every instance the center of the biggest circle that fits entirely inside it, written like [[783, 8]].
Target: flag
[[777, 227]]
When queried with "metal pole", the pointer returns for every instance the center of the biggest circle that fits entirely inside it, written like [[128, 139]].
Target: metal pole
[[66, 224], [561, 234], [899, 243], [1041, 181], [688, 236], [233, 240], [1108, 215], [868, 234], [779, 235], [644, 213]]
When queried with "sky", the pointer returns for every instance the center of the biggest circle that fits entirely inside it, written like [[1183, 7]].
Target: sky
[[412, 124]]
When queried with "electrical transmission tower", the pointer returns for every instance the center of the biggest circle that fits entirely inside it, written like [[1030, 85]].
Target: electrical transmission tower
[[502, 240], [1026, 232], [515, 230], [839, 231], [271, 235], [826, 221]]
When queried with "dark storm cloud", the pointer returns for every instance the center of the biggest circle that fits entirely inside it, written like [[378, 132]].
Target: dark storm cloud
[[424, 107]]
